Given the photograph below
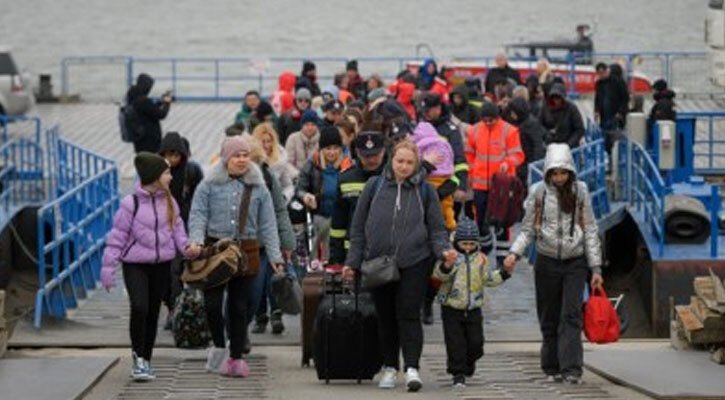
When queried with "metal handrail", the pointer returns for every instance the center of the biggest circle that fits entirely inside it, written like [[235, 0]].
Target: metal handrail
[[71, 228], [665, 61]]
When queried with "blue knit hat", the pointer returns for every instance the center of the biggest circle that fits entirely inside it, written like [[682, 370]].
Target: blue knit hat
[[309, 116], [466, 230]]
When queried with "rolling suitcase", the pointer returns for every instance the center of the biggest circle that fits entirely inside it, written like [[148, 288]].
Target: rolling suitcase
[[346, 333]]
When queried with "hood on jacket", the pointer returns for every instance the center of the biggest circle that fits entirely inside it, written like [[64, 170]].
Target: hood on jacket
[[424, 75], [172, 141], [423, 130], [460, 90], [253, 176], [144, 83], [333, 90], [558, 155], [287, 81], [520, 107]]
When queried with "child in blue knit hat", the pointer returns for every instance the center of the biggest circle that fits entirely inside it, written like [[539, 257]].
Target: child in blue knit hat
[[461, 299]]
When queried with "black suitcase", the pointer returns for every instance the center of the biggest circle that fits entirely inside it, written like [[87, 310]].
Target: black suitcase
[[345, 334]]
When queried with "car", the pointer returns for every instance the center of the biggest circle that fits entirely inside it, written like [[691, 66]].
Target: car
[[16, 98]]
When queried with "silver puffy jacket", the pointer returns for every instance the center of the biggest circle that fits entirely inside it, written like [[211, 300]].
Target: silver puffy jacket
[[555, 237]]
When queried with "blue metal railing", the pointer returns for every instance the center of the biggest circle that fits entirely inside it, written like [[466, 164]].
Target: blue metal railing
[[642, 187], [72, 227], [21, 176], [590, 162], [227, 78], [709, 147]]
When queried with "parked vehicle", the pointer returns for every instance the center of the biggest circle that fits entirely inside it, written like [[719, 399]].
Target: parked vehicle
[[16, 98]]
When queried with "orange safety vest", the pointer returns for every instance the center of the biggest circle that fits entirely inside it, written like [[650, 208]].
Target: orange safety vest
[[486, 149]]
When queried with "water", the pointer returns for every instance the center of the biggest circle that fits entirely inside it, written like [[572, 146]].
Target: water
[[41, 32]]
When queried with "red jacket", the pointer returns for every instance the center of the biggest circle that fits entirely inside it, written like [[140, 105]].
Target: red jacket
[[486, 149]]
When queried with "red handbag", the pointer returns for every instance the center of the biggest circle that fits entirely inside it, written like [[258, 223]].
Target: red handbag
[[601, 323]]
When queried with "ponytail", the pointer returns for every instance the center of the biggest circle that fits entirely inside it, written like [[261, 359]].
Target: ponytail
[[170, 212]]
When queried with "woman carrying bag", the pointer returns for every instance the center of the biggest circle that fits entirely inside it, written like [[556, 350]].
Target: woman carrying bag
[[398, 217], [560, 220], [215, 214]]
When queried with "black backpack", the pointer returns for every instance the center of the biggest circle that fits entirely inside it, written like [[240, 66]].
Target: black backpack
[[130, 124]]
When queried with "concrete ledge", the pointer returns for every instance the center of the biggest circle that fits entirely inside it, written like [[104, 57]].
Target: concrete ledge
[[52, 378]]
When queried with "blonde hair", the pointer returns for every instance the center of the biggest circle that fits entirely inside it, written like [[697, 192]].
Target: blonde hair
[[256, 151], [406, 144], [266, 129]]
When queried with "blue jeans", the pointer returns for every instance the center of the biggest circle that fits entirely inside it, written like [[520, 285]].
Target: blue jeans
[[260, 288]]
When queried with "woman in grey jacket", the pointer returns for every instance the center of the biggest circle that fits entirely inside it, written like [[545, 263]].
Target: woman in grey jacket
[[215, 215], [559, 218], [399, 214]]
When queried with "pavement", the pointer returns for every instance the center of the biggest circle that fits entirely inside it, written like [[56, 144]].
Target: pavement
[[507, 371]]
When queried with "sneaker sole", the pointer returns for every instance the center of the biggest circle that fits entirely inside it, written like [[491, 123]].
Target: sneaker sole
[[386, 386], [140, 378], [414, 386]]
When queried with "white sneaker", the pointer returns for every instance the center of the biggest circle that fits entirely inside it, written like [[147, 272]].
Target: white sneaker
[[388, 378], [214, 358], [412, 380]]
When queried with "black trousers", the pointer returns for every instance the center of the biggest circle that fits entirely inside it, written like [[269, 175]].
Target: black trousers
[[398, 307], [237, 298], [559, 289], [463, 333], [175, 284], [146, 285]]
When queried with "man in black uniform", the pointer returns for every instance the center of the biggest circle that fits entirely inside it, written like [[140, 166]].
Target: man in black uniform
[[370, 148]]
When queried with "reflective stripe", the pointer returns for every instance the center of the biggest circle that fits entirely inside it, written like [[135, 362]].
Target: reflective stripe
[[461, 167], [347, 244], [486, 157], [455, 180], [513, 150], [338, 233], [352, 187]]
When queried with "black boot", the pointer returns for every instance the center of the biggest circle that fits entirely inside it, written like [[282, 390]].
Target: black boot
[[428, 313], [276, 322], [260, 323]]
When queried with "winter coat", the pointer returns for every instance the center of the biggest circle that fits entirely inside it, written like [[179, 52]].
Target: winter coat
[[531, 134], [488, 148], [426, 80], [310, 180], [611, 102], [150, 114], [560, 235], [287, 238], [466, 112], [284, 98], [215, 210], [416, 229], [429, 141], [405, 98], [462, 285], [565, 124], [186, 176], [145, 238], [497, 74], [300, 148], [289, 123], [285, 174]]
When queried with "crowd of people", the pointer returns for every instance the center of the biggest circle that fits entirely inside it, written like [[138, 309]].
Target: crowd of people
[[402, 170]]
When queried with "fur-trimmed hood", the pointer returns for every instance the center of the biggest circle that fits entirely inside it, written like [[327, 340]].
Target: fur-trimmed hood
[[219, 175]]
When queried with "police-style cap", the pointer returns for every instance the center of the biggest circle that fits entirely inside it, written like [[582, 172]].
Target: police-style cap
[[369, 143]]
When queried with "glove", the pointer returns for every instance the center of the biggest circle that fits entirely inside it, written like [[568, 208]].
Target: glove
[[108, 277]]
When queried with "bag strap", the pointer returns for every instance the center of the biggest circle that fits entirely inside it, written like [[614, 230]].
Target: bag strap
[[244, 208], [135, 211]]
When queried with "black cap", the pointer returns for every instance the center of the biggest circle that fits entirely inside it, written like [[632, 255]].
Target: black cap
[[400, 130], [489, 110], [149, 167], [330, 136], [430, 100], [369, 143], [351, 65], [333, 105], [557, 89]]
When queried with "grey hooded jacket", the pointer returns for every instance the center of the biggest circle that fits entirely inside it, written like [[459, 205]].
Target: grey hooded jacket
[[215, 210], [415, 229], [553, 239]]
